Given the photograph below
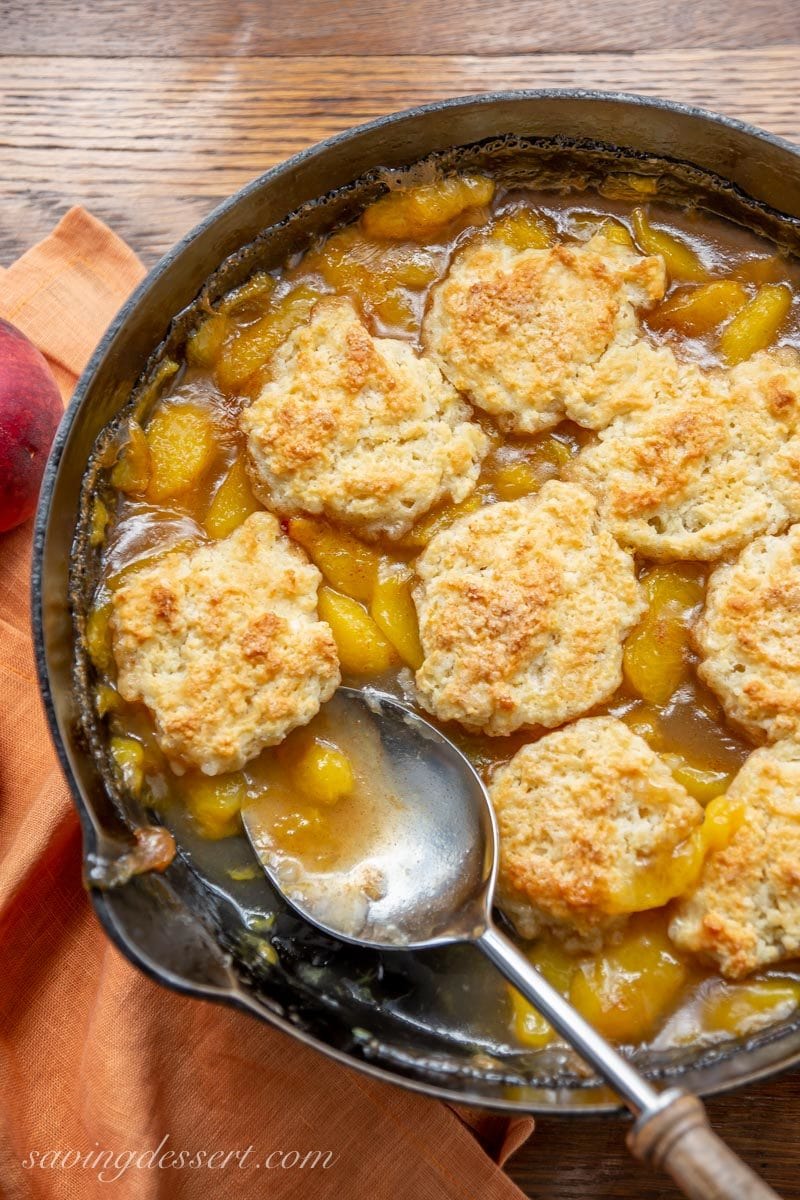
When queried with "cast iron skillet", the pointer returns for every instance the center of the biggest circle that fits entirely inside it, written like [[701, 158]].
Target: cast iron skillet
[[428, 1022]]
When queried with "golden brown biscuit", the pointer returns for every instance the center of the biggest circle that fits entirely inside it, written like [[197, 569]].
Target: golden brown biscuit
[[517, 331], [749, 637], [627, 379], [223, 645], [359, 428], [714, 461], [583, 814], [745, 910], [523, 608]]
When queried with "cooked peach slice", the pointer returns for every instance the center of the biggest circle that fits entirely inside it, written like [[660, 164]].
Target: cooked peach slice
[[106, 699], [215, 802], [99, 520], [128, 756], [703, 782], [523, 229], [628, 989], [655, 660], [98, 636], [558, 968], [418, 211], [322, 773], [757, 325], [682, 261], [233, 502], [204, 345], [522, 473], [673, 875], [349, 565], [700, 310], [131, 471], [363, 650], [393, 611], [182, 444], [248, 351], [251, 299], [438, 519], [743, 1008]]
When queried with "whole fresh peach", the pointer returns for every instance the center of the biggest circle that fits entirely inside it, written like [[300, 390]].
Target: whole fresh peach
[[30, 409]]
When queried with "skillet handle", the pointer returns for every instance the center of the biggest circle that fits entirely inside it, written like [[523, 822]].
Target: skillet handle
[[678, 1139]]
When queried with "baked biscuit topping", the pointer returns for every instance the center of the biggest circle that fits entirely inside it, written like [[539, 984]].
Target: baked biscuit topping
[[711, 463], [224, 647], [523, 607], [584, 813], [359, 428], [749, 637], [745, 911], [521, 331]]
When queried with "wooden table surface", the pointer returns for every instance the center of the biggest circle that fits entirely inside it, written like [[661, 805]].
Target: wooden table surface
[[149, 113]]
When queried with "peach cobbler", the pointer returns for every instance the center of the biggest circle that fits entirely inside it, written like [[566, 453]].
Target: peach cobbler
[[531, 461]]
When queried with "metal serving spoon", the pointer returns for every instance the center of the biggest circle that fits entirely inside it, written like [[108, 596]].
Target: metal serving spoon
[[437, 862]]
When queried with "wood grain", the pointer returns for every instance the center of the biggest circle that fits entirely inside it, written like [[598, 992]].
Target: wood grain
[[151, 144], [586, 1158], [253, 27], [150, 112]]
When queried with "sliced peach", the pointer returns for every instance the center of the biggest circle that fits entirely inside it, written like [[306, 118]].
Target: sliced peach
[[558, 968], [416, 212], [672, 874], [757, 325], [382, 277], [250, 349], [363, 650], [514, 473], [681, 260], [214, 802], [349, 565], [128, 755], [743, 1008], [203, 346], [700, 310], [306, 834], [628, 989], [233, 502], [591, 224], [99, 521], [131, 471], [395, 615], [98, 636], [704, 783], [655, 660], [251, 299], [106, 699], [438, 519], [322, 773], [182, 442], [523, 229]]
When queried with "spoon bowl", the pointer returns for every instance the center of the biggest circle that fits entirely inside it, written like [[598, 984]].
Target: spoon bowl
[[432, 845]]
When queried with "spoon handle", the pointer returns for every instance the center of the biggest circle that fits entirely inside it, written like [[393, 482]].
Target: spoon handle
[[679, 1140], [672, 1131]]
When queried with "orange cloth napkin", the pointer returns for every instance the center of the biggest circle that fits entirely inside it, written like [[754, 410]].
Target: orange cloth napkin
[[96, 1061]]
